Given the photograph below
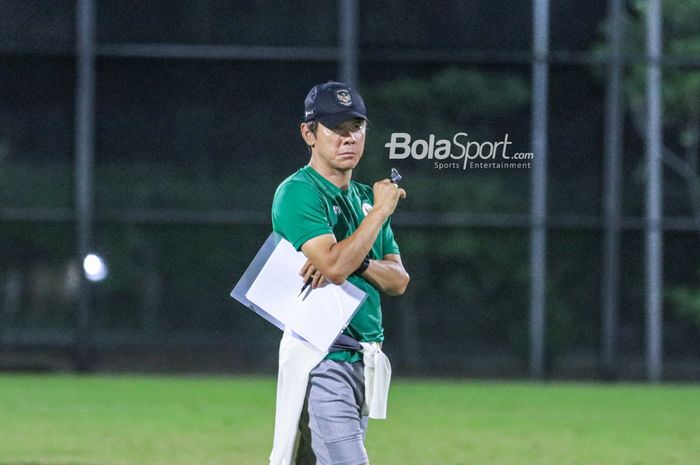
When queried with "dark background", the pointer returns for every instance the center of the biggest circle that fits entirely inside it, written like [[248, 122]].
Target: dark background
[[188, 152]]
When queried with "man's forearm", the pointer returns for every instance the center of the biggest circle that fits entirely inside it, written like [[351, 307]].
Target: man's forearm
[[338, 260], [388, 276], [347, 255]]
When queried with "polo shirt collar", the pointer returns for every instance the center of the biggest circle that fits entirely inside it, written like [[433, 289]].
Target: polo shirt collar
[[328, 187]]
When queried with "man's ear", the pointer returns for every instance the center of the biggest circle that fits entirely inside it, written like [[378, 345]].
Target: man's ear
[[307, 135]]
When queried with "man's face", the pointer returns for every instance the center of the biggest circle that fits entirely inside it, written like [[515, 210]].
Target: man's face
[[341, 147]]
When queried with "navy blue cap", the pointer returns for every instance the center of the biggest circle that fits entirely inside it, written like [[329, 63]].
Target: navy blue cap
[[332, 104]]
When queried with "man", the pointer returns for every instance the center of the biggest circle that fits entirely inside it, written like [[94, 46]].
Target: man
[[343, 228]]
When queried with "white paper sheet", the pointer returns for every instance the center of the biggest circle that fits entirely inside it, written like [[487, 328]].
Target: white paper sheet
[[317, 315]]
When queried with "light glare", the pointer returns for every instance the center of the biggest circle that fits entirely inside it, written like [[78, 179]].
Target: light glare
[[95, 268]]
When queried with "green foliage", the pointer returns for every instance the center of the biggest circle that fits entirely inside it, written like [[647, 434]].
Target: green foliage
[[681, 39], [686, 301], [681, 99], [488, 269], [450, 101], [35, 184]]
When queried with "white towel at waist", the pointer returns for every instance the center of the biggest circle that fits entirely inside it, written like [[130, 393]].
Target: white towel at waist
[[296, 360], [377, 379]]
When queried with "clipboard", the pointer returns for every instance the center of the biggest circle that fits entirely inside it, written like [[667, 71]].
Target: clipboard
[[270, 287]]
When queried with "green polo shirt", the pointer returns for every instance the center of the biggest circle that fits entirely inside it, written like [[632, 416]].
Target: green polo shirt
[[307, 205]]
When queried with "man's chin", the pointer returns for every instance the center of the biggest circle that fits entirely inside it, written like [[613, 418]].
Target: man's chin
[[346, 165]]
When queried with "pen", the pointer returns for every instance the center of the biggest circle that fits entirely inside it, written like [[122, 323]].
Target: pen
[[306, 284]]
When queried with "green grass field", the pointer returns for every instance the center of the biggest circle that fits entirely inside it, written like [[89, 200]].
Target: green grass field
[[112, 420]]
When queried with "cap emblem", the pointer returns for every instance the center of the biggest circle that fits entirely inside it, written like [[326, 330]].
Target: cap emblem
[[343, 97]]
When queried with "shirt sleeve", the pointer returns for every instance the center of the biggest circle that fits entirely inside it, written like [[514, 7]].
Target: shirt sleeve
[[299, 214], [389, 245]]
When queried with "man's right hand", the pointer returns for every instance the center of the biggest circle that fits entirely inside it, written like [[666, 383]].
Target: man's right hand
[[386, 196], [335, 261]]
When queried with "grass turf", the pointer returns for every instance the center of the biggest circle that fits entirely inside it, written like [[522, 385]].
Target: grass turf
[[124, 420]]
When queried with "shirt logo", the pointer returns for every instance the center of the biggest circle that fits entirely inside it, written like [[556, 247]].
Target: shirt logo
[[366, 208], [343, 97], [337, 210]]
